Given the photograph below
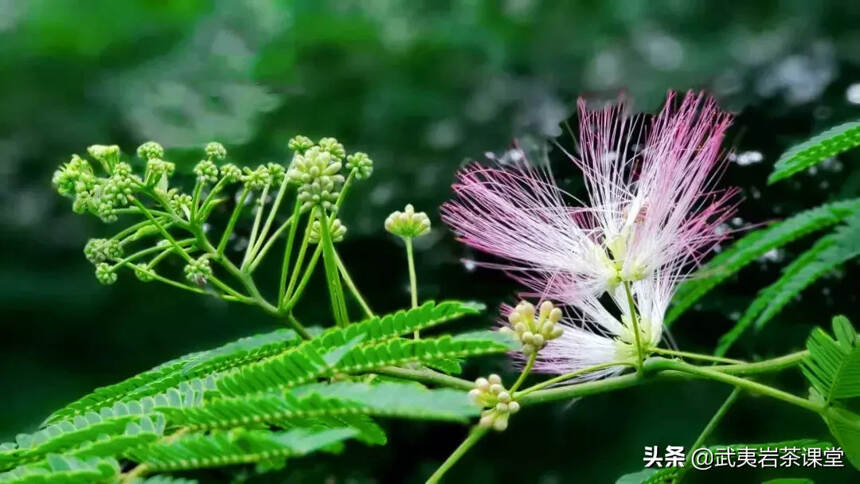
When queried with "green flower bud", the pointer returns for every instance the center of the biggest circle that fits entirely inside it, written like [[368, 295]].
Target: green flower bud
[[102, 250], [332, 146], [336, 229], [74, 177], [107, 155], [408, 224], [360, 164], [231, 173], [276, 173], [206, 171], [257, 179], [490, 394], [143, 276], [300, 144], [180, 203], [105, 274], [317, 173], [157, 170], [150, 150], [216, 151], [198, 271]]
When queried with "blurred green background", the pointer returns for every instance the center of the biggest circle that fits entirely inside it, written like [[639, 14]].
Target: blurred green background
[[422, 87]]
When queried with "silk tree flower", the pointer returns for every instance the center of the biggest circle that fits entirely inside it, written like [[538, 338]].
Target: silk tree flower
[[593, 335], [652, 202]]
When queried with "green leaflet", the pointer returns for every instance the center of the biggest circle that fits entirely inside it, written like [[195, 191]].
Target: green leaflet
[[237, 446], [107, 395], [64, 470], [828, 252], [164, 480], [754, 245], [813, 151], [399, 351], [833, 365], [184, 368], [325, 400], [398, 323], [845, 426], [259, 347]]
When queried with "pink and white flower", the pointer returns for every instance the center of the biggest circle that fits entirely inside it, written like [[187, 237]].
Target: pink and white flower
[[653, 213]]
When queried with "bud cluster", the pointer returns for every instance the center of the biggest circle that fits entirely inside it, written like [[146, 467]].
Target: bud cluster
[[102, 250], [316, 169], [206, 171], [490, 394], [408, 223], [198, 271], [105, 273], [534, 334], [336, 229]]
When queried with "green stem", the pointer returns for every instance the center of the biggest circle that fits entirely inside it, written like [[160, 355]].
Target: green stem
[[475, 435], [288, 252], [265, 250], [298, 326], [523, 374], [426, 375], [204, 207], [231, 224], [306, 277], [351, 286], [695, 356], [270, 219], [413, 280], [634, 318], [301, 255], [715, 420], [750, 385], [258, 217], [573, 374], [163, 231], [335, 290], [195, 198], [147, 251], [764, 366]]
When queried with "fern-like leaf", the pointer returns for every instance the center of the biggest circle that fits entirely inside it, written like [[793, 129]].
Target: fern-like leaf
[[815, 150], [64, 470], [399, 351], [402, 322], [326, 400], [826, 254], [237, 446], [833, 365], [753, 246]]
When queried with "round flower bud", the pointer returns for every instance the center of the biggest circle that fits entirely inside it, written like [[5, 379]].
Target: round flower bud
[[276, 173], [150, 150], [180, 203], [74, 177], [105, 274], [143, 276], [198, 271], [360, 164], [332, 146], [206, 171], [256, 179], [215, 151], [102, 250], [157, 170], [408, 224], [317, 173], [300, 144], [107, 155], [231, 173], [336, 229]]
